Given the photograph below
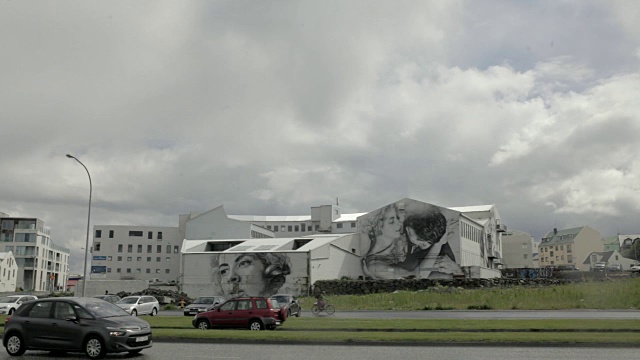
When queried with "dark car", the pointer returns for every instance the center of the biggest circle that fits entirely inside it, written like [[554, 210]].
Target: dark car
[[202, 303], [614, 267], [109, 298], [88, 325], [255, 313], [289, 302], [566, 268]]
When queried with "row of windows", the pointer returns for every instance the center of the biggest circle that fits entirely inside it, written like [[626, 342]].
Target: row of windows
[[559, 258], [303, 227], [471, 233], [168, 249], [132, 233], [139, 258], [139, 271], [550, 248]]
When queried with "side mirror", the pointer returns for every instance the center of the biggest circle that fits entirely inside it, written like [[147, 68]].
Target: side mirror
[[72, 319]]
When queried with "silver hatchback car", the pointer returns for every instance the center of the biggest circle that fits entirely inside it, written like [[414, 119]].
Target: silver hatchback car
[[88, 325], [140, 305]]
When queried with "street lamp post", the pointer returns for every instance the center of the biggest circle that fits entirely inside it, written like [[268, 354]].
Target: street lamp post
[[86, 247]]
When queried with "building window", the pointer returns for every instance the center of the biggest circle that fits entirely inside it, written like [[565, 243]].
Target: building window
[[297, 228], [96, 246], [556, 247], [149, 249], [119, 258], [109, 258], [524, 256], [167, 259], [551, 253], [98, 233], [159, 249], [110, 234], [139, 248], [119, 247], [159, 235], [138, 270], [289, 228], [130, 248], [158, 259], [118, 270], [135, 233], [167, 271], [568, 248], [139, 258], [317, 227], [150, 235], [128, 271], [353, 224], [128, 258], [148, 258], [157, 271], [108, 270], [561, 247], [148, 271], [275, 228], [339, 225], [176, 249]]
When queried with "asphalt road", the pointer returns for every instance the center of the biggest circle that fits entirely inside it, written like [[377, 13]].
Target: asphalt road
[[473, 314], [161, 351]]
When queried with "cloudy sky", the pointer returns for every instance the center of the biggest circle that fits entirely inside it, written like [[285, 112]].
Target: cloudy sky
[[271, 107]]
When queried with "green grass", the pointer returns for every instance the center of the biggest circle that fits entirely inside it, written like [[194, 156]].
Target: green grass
[[613, 294]]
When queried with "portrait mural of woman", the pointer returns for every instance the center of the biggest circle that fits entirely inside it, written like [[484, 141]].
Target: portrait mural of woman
[[405, 243], [249, 274]]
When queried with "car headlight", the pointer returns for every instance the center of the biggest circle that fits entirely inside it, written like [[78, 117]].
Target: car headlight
[[116, 331]]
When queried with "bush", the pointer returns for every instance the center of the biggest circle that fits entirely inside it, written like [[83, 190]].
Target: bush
[[479, 307]]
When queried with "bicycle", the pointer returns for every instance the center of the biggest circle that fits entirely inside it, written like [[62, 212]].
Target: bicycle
[[328, 308]]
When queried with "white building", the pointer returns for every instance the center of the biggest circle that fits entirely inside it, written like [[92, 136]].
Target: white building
[[519, 250], [42, 265], [8, 272], [405, 239]]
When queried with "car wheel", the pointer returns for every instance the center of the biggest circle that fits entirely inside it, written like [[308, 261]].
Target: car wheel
[[134, 312], [11, 311], [15, 345], [255, 325], [203, 325], [298, 313], [94, 348], [154, 312]]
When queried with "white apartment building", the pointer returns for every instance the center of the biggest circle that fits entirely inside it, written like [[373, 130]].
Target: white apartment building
[[42, 265], [135, 253], [519, 249], [8, 272]]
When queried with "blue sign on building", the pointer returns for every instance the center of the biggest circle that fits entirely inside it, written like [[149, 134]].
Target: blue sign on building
[[99, 258]]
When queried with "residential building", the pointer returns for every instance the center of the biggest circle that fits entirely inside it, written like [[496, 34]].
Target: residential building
[[135, 253], [8, 272], [42, 265], [569, 246], [609, 258], [519, 249]]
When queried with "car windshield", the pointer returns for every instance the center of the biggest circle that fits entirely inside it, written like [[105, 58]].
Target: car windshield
[[8, 299], [102, 309], [282, 300], [203, 300], [128, 300]]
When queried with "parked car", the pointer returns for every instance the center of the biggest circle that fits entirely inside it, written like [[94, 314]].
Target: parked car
[[565, 268], [614, 267], [255, 313], [109, 298], [635, 268], [139, 305], [599, 266], [289, 302], [202, 303], [9, 304], [87, 325]]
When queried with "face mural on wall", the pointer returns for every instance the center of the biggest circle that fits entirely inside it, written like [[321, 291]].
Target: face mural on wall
[[249, 274], [409, 243]]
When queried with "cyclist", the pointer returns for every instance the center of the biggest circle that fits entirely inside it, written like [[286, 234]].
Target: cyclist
[[321, 300]]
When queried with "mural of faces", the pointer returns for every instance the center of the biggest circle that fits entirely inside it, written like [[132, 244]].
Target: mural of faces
[[401, 243], [249, 274]]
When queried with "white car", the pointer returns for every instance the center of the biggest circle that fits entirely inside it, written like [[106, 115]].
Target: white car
[[11, 303], [635, 268], [140, 305]]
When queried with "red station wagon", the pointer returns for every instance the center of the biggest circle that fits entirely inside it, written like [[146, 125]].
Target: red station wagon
[[255, 313]]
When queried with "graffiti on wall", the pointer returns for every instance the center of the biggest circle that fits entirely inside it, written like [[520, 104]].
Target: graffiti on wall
[[256, 274], [411, 242]]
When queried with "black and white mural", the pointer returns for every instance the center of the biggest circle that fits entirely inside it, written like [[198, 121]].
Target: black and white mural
[[410, 238], [257, 274]]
